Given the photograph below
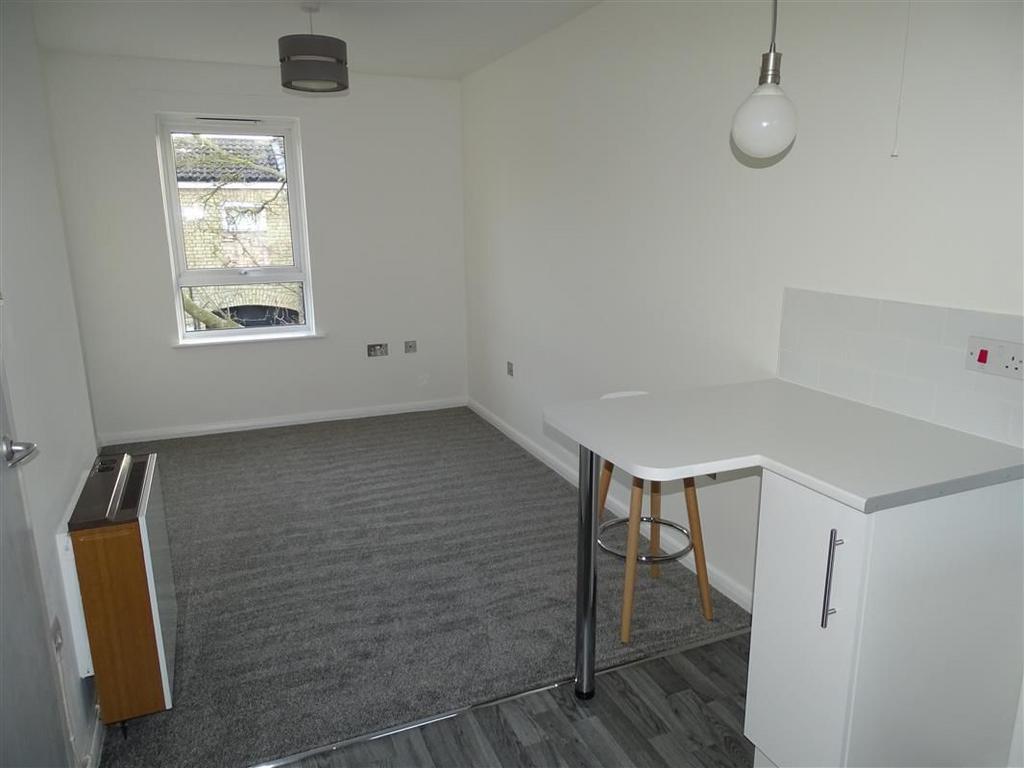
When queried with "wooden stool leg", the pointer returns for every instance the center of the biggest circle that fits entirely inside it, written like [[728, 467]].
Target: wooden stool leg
[[636, 500], [655, 529], [693, 512], [602, 488]]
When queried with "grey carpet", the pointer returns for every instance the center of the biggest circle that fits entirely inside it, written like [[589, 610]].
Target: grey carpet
[[337, 578]]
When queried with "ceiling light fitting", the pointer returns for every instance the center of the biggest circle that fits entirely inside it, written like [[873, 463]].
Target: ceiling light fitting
[[765, 124], [313, 63]]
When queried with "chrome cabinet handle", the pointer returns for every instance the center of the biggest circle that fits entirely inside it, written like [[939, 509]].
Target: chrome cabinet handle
[[14, 452], [826, 610]]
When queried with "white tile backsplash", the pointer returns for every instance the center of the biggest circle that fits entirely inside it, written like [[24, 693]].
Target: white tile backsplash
[[919, 322], [823, 341], [852, 312], [1015, 429], [938, 363], [974, 414], [845, 380], [864, 351], [907, 358], [801, 305], [904, 394], [798, 368], [998, 387], [789, 333], [961, 323]]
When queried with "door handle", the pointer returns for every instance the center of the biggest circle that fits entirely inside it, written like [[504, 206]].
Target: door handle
[[14, 452], [826, 609]]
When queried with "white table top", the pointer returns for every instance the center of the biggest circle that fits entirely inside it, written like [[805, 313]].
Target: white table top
[[862, 456]]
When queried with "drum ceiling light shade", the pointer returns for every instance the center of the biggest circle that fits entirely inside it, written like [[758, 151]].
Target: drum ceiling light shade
[[313, 63], [765, 124]]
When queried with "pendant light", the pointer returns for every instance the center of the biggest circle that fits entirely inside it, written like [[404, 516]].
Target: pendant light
[[765, 124], [313, 63]]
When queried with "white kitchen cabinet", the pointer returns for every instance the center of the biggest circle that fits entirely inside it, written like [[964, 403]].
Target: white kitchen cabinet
[[920, 663], [796, 667]]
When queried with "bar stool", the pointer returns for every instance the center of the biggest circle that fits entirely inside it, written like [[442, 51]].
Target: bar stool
[[632, 554]]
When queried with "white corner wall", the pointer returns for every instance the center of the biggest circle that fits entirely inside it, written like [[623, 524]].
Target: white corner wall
[[42, 355], [614, 242], [383, 181]]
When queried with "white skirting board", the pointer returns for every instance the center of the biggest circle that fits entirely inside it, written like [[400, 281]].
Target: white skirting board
[[241, 425], [738, 593]]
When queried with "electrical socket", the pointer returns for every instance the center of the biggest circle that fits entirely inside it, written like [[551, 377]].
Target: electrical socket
[[410, 346], [999, 358], [509, 368], [376, 350]]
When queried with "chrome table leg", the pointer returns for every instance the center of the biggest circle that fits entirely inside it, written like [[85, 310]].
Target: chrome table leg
[[586, 573]]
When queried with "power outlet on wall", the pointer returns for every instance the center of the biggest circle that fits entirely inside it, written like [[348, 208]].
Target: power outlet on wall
[[509, 368], [376, 350], [999, 358]]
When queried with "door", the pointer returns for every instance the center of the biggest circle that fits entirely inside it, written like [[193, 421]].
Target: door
[[31, 724], [800, 673]]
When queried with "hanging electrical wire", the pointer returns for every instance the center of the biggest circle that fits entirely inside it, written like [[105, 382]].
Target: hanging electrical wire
[[899, 99]]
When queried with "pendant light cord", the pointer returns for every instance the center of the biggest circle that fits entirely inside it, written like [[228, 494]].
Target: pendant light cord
[[310, 22], [899, 99], [775, 19]]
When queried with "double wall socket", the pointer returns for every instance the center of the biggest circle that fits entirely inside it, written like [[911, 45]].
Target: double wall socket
[[510, 369], [1000, 358], [381, 350]]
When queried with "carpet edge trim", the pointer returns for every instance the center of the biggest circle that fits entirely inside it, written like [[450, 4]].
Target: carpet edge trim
[[393, 730]]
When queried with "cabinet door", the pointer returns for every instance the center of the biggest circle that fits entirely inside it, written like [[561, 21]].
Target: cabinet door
[[798, 685]]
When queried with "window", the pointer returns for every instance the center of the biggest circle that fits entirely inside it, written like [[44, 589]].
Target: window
[[235, 214], [243, 217]]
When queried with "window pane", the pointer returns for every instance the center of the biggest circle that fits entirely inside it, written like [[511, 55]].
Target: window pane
[[254, 305], [233, 197]]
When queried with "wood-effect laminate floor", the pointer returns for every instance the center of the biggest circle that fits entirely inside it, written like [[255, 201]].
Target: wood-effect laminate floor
[[680, 710]]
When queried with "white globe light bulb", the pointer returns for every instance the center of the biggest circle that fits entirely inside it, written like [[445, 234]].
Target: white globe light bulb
[[765, 124]]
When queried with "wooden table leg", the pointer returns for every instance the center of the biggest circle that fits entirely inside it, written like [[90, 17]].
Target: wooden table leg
[[693, 512], [636, 500], [602, 489], [655, 529]]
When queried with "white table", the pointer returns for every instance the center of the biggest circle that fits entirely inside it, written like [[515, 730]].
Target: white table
[[864, 458]]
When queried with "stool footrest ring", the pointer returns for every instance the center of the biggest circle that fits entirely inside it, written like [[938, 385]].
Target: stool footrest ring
[[642, 558]]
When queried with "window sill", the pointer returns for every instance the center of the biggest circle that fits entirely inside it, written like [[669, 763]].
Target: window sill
[[246, 339]]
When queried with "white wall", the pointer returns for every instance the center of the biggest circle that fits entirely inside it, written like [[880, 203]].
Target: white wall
[[384, 205], [614, 242], [42, 356]]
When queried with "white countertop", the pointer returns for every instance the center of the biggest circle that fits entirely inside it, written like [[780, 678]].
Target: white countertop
[[862, 456]]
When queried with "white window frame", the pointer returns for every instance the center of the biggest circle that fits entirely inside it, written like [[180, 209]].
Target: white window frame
[[299, 272]]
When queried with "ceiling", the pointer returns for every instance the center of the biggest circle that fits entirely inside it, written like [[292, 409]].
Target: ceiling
[[415, 38]]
